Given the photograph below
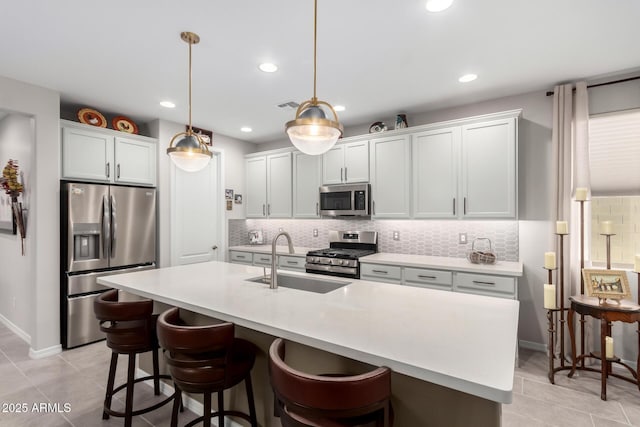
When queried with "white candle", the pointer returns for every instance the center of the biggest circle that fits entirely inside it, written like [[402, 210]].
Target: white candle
[[550, 260], [606, 227], [581, 193], [637, 264], [562, 227], [549, 296], [608, 343]]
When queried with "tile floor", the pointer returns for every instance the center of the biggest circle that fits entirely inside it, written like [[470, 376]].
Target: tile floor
[[77, 378]]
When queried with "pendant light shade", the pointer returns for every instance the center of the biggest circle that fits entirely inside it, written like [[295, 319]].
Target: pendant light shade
[[311, 131], [189, 153]]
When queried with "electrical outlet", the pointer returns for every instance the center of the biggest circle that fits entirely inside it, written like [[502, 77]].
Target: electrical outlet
[[396, 235], [315, 232], [462, 238], [280, 230]]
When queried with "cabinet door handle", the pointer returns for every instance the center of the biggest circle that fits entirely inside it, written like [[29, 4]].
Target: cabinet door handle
[[108, 169], [374, 206], [465, 205], [479, 282], [214, 247], [345, 175], [118, 171], [426, 277], [454, 206], [380, 271], [341, 179], [317, 209], [264, 213], [269, 209]]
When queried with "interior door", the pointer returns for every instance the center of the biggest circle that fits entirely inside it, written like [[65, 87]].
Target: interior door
[[196, 223]]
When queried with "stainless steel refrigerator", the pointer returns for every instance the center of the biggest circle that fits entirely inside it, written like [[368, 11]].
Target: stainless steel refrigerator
[[105, 230]]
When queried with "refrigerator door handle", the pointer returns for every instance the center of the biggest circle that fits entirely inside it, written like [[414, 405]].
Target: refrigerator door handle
[[114, 226], [106, 226]]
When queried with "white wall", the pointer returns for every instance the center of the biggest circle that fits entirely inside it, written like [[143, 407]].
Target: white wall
[[41, 295], [17, 142]]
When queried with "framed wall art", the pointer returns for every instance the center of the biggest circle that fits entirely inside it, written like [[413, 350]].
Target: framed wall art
[[605, 284]]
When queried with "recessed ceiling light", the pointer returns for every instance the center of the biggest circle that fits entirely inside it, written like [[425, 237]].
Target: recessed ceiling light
[[245, 129], [268, 67], [438, 5], [467, 78], [339, 107], [168, 104]]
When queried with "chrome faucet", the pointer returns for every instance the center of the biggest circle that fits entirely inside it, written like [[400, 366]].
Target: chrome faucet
[[274, 269]]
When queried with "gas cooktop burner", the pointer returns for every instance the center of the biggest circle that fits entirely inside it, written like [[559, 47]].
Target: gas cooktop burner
[[342, 253]]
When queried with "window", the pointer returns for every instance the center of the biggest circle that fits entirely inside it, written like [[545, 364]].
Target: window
[[614, 161]]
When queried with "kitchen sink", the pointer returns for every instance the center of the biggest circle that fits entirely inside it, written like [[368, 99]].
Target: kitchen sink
[[302, 283]]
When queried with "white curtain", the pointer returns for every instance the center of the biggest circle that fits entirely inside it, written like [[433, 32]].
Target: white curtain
[[570, 146]]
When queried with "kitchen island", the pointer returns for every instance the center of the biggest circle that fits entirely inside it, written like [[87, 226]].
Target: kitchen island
[[452, 354]]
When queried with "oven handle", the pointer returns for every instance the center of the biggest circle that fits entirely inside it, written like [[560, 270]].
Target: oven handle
[[331, 268]]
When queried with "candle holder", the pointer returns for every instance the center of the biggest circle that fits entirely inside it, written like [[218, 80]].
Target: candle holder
[[608, 246], [582, 319], [556, 317]]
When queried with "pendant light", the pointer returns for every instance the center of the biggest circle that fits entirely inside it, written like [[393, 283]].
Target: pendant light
[[190, 153], [312, 132]]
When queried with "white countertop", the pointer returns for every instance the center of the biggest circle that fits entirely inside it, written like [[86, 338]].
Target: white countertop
[[502, 268], [266, 249], [460, 341]]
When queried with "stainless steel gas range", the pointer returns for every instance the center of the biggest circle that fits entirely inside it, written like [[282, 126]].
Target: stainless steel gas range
[[341, 258]]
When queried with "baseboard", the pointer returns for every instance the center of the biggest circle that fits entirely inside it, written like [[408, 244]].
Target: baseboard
[[188, 402], [45, 352], [15, 329], [530, 345]]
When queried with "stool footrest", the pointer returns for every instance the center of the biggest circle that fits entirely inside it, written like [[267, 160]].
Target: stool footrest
[[142, 410]]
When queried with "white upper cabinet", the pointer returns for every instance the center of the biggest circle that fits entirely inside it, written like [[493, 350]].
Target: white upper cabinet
[[307, 178], [256, 192], [346, 163], [97, 154], [268, 192], [435, 173], [489, 169], [391, 177]]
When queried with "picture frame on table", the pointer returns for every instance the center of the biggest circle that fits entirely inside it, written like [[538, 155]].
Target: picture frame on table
[[603, 284]]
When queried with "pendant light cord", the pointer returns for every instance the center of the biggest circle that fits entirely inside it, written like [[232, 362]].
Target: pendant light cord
[[190, 72], [315, 37]]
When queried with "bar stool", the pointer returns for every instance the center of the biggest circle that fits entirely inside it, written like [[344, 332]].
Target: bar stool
[[306, 400], [207, 359], [130, 329]]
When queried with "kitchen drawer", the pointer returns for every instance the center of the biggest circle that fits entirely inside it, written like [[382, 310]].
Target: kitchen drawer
[[291, 262], [434, 279], [498, 286], [262, 259], [381, 273], [241, 257]]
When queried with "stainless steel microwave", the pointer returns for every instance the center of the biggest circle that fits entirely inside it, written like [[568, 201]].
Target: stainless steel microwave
[[345, 200]]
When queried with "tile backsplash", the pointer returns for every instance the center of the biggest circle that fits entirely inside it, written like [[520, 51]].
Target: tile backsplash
[[418, 237]]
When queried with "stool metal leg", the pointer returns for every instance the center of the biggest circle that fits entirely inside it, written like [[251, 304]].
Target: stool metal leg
[[252, 405], [110, 380], [177, 405], [130, 383], [156, 373], [221, 408], [206, 422]]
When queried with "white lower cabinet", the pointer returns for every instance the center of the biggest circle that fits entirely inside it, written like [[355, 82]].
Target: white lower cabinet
[[484, 284], [425, 278], [381, 273], [291, 262], [241, 257], [262, 259]]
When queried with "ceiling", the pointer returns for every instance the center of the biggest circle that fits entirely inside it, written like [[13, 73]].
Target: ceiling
[[376, 57]]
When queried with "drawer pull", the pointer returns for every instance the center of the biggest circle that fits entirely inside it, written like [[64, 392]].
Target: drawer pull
[[380, 271], [292, 262], [264, 259], [240, 256], [478, 282], [426, 277]]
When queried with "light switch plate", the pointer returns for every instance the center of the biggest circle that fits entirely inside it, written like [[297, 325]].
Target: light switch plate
[[315, 232], [396, 235]]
